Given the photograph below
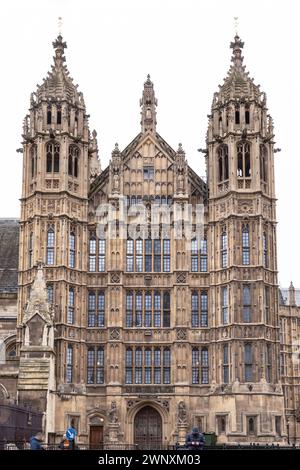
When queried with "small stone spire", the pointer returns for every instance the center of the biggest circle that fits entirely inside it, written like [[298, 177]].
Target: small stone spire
[[148, 104], [292, 295], [237, 46], [94, 162], [59, 47]]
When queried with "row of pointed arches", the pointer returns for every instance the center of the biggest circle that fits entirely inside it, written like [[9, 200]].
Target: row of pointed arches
[[243, 150], [53, 159]]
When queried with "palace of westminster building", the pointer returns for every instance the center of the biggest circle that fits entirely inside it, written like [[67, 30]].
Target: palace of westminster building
[[135, 339]]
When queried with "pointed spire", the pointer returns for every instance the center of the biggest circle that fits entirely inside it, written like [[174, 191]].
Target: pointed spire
[[237, 84], [58, 83], [59, 47], [237, 46], [148, 104], [292, 295], [94, 163]]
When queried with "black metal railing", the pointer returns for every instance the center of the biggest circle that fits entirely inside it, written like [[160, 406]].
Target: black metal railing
[[21, 445]]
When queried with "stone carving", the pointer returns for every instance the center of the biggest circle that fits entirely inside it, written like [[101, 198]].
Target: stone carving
[[182, 413], [181, 278], [112, 413], [115, 278], [115, 333], [181, 334], [245, 207]]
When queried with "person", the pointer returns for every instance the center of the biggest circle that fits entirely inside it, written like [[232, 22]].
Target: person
[[71, 435], [195, 439], [65, 443], [36, 441]]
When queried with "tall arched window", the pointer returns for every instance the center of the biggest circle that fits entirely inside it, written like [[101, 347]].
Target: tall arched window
[[33, 161], [224, 245], [269, 363], [245, 245], [138, 370], [248, 362], [73, 161], [30, 250], [72, 250], [237, 116], [58, 115], [49, 115], [247, 314], [263, 154], [71, 306], [50, 246], [92, 254], [147, 365], [265, 250], [69, 364], [95, 365], [129, 366], [247, 114], [223, 163], [52, 157], [91, 366], [225, 363], [200, 366], [243, 160], [204, 366]]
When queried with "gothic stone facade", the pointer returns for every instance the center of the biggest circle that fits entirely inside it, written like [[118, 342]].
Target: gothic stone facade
[[139, 339]]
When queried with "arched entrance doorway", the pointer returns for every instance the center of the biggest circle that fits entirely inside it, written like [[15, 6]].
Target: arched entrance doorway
[[148, 429]]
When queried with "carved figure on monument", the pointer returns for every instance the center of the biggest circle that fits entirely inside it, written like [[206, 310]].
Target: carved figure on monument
[[182, 413], [112, 413]]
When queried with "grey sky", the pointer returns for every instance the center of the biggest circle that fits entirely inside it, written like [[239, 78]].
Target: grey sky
[[184, 45]]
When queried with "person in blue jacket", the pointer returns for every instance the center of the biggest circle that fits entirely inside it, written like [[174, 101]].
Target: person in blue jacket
[[36, 441], [195, 439]]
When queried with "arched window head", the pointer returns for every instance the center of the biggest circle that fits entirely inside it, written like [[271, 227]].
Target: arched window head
[[50, 246], [52, 157], [243, 160], [49, 115], [73, 161], [11, 352], [248, 361], [223, 163], [247, 115], [263, 154], [69, 364], [58, 115], [33, 161]]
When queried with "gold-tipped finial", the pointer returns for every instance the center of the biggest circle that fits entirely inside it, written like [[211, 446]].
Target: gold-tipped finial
[[236, 25], [59, 25]]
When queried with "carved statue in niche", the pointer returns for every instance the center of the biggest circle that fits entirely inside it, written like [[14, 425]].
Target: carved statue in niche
[[182, 413], [112, 413]]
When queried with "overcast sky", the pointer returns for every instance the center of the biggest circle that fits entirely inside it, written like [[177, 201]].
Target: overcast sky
[[184, 45]]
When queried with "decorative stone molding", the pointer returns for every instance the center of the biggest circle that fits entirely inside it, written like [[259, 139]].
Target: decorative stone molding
[[181, 278]]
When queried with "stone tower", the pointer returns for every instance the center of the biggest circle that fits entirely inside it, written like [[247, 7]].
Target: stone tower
[[243, 267], [59, 161]]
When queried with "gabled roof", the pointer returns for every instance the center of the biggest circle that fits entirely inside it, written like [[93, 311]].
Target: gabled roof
[[9, 255], [99, 181]]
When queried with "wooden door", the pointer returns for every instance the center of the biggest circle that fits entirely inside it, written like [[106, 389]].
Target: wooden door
[[96, 437], [148, 429]]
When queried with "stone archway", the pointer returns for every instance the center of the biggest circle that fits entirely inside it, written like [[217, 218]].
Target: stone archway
[[96, 431], [148, 429]]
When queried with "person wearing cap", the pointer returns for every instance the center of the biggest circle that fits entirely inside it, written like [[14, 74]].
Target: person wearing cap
[[195, 439]]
